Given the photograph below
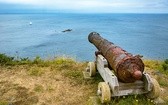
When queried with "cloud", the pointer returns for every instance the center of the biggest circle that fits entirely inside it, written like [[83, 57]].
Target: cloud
[[95, 5], [75, 3]]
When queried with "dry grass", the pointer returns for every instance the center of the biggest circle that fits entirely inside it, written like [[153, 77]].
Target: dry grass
[[60, 83]]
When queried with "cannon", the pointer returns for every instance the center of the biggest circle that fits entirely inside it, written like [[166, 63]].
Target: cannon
[[122, 72], [127, 67]]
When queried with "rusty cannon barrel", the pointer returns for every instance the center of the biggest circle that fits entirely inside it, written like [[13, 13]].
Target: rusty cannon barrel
[[128, 68]]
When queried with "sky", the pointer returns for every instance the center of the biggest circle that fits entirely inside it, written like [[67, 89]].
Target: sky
[[85, 6]]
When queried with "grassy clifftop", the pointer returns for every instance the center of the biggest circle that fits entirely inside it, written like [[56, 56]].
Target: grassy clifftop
[[44, 82], [60, 82]]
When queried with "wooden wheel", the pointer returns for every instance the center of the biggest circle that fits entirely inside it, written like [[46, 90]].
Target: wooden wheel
[[104, 92], [92, 69], [155, 92]]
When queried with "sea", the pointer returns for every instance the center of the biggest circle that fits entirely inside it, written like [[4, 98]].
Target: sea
[[32, 35]]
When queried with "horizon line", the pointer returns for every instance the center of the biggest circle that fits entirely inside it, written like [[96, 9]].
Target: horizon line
[[41, 12]]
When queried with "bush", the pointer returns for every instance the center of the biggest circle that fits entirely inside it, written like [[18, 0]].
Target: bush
[[166, 61], [37, 60], [23, 61], [165, 66], [5, 60]]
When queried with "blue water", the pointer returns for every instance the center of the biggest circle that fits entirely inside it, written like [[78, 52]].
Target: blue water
[[144, 34]]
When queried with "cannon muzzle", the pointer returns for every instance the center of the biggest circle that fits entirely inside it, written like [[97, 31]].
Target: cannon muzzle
[[128, 68]]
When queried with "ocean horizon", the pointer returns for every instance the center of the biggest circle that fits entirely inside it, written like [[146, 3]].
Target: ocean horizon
[[31, 35]]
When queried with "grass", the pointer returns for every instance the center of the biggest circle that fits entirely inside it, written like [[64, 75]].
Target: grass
[[38, 88], [161, 66], [36, 71], [124, 100], [60, 81], [159, 70], [4, 103], [53, 81], [132, 100], [5, 60], [163, 81]]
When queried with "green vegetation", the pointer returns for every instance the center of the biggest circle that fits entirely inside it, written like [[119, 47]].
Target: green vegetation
[[133, 100], [161, 66], [165, 65], [124, 100], [36, 71], [159, 70], [4, 103], [38, 88], [5, 60]]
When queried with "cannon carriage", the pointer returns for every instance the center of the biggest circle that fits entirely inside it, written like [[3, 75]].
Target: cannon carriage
[[123, 73]]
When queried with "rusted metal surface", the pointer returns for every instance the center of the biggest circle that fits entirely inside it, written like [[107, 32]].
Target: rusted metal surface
[[127, 67]]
